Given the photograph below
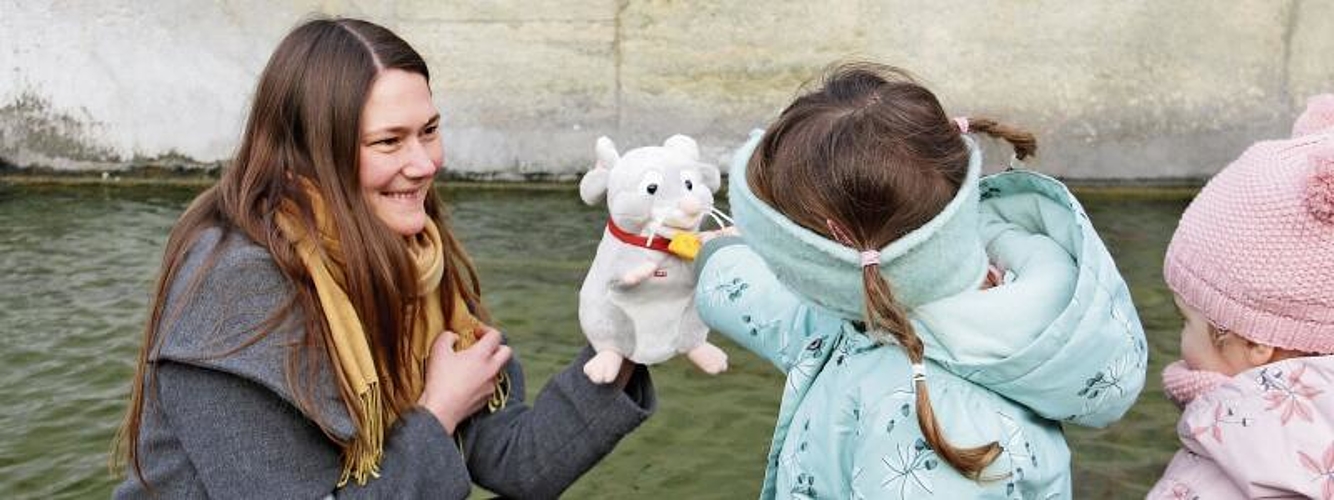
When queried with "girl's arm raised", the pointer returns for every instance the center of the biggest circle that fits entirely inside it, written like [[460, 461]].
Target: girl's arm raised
[[739, 297]]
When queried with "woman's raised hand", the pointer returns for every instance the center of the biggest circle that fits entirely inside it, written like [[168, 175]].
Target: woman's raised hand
[[458, 383], [705, 236]]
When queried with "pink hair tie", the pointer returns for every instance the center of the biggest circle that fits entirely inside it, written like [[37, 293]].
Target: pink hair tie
[[870, 258], [962, 123]]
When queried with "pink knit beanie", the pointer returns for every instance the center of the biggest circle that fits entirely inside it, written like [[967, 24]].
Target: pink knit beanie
[[1255, 250]]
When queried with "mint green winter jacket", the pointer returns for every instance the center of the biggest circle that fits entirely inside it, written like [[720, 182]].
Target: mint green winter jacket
[[1058, 342]]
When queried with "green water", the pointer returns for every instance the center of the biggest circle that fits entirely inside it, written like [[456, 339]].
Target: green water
[[77, 263]]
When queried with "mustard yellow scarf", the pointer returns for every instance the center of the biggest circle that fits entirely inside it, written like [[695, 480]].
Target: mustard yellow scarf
[[354, 362]]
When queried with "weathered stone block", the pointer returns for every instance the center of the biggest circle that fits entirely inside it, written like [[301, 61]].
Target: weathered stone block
[[520, 97], [1114, 89], [1311, 54], [507, 11], [715, 70]]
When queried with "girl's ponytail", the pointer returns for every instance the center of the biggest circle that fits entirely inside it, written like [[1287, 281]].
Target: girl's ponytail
[[1024, 143], [873, 151], [885, 316]]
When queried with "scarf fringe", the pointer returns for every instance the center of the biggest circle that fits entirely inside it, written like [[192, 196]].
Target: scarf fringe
[[361, 458], [501, 394], [320, 251]]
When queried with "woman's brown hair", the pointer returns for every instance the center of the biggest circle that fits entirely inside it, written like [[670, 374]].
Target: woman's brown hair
[[305, 123], [864, 159]]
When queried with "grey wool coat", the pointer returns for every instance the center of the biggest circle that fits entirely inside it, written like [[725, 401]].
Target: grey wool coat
[[228, 426]]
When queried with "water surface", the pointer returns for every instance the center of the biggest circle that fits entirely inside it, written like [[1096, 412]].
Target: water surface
[[76, 270]]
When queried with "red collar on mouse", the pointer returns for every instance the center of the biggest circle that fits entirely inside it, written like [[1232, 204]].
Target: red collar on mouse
[[660, 243]]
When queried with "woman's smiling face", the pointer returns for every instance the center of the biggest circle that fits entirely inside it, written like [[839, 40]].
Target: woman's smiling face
[[400, 150]]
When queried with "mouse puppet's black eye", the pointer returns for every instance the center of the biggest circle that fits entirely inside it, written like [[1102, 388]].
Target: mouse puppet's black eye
[[649, 182]]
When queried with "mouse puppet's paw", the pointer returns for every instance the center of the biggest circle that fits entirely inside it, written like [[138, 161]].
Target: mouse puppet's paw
[[604, 367], [708, 358], [639, 274]]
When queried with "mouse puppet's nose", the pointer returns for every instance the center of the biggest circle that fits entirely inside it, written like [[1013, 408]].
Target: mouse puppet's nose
[[690, 206]]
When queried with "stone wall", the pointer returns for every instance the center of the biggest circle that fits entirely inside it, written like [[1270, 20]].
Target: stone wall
[[1116, 90]]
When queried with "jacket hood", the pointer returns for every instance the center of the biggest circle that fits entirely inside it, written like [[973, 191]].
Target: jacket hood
[[1061, 334]]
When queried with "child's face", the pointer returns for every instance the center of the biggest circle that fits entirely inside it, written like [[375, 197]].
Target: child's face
[[1203, 349]]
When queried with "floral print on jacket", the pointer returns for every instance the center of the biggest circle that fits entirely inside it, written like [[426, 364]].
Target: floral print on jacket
[[1058, 342], [1267, 432]]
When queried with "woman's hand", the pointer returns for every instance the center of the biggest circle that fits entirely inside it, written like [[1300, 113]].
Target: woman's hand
[[705, 236], [460, 383]]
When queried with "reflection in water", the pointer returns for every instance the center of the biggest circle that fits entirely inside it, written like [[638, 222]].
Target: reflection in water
[[77, 264]]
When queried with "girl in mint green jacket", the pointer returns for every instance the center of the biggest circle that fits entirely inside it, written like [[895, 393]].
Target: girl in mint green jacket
[[936, 327]]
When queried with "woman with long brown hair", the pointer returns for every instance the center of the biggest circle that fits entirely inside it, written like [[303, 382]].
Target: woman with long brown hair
[[317, 329], [936, 326]]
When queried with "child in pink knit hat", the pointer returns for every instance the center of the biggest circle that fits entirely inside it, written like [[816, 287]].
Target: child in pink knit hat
[[1251, 267]]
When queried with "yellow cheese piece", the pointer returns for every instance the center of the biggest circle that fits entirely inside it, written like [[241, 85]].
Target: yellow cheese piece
[[685, 246]]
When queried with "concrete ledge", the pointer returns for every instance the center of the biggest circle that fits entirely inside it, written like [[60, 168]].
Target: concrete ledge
[[1120, 90]]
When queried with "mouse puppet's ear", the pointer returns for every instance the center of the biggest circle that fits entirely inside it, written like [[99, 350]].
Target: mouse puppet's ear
[[684, 145], [606, 153], [593, 187]]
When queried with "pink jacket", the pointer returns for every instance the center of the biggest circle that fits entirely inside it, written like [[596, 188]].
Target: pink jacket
[[1267, 432]]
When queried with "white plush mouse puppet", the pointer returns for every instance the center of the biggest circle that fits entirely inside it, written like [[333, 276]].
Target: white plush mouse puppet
[[638, 300]]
